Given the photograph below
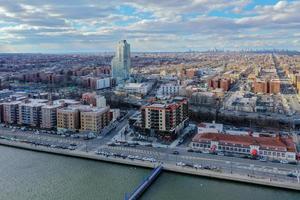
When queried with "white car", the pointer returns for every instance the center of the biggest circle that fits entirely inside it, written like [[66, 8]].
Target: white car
[[284, 161], [180, 164], [152, 159], [264, 159], [197, 166]]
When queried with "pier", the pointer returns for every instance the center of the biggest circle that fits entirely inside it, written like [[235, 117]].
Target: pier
[[145, 184]]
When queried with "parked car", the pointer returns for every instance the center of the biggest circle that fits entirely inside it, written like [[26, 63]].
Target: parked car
[[180, 164], [284, 161], [263, 159], [175, 152]]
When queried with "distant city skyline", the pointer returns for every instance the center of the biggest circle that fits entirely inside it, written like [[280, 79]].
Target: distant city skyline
[[51, 26]]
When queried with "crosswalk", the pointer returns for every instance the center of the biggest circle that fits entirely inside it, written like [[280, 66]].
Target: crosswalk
[[139, 151]]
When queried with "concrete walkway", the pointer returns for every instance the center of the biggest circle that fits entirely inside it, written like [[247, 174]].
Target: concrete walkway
[[167, 167]]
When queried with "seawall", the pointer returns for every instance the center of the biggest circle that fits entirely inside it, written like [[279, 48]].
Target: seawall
[[167, 167]]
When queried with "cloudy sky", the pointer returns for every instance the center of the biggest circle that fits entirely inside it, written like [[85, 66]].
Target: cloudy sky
[[148, 25]]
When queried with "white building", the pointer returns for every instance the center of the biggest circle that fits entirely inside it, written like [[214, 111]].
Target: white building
[[138, 88], [121, 62], [169, 89], [100, 101], [210, 128], [115, 114], [103, 83]]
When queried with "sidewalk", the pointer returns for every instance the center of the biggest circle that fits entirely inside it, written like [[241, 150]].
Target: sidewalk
[[167, 167]]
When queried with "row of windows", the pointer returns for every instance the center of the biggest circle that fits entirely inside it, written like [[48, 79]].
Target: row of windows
[[223, 148], [240, 150], [272, 153]]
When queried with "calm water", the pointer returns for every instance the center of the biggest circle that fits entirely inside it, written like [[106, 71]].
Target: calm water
[[26, 175]]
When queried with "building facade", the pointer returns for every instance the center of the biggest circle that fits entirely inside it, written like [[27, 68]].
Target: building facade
[[94, 119], [100, 101], [121, 62], [266, 86], [30, 112], [165, 120], [222, 83], [11, 112], [49, 116], [138, 88], [274, 148], [102, 83], [169, 89], [68, 118]]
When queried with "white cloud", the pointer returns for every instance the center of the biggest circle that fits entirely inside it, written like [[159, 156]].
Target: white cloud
[[148, 24]]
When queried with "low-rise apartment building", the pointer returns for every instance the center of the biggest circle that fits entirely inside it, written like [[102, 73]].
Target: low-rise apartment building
[[94, 119], [49, 116], [30, 112], [11, 112], [68, 118]]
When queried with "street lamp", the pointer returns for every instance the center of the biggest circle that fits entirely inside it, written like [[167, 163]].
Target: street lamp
[[230, 163], [252, 169]]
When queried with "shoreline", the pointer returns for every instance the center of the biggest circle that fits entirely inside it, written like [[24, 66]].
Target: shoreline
[[167, 167]]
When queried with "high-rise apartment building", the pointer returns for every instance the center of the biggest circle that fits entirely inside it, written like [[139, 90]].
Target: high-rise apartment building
[[165, 119], [120, 64]]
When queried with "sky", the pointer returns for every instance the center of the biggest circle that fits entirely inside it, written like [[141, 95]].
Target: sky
[[58, 26]]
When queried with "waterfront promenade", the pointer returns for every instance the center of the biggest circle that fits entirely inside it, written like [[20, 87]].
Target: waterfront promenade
[[167, 166]]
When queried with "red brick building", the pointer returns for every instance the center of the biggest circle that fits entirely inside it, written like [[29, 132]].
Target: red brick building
[[217, 82], [266, 86]]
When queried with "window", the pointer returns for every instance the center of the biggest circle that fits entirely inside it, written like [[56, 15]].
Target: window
[[278, 154]]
